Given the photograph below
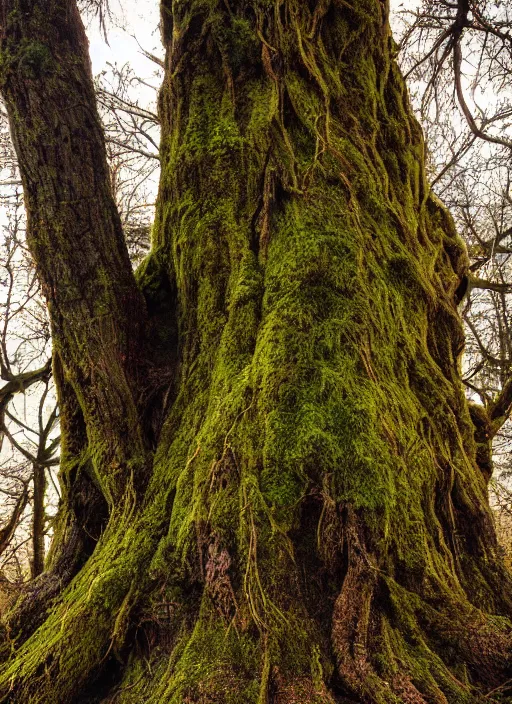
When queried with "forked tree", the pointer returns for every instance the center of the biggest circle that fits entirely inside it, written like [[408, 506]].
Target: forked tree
[[274, 490]]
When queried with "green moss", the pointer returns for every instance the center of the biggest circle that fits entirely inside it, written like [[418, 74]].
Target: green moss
[[35, 59], [319, 364], [32, 60], [318, 440]]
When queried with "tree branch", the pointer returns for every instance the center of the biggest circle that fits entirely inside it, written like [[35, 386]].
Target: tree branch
[[7, 532], [19, 384], [475, 129], [500, 409], [476, 282]]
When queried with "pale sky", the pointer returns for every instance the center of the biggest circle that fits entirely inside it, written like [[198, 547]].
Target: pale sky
[[139, 17]]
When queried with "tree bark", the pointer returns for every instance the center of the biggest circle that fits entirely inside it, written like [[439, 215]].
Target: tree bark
[[295, 511], [38, 520]]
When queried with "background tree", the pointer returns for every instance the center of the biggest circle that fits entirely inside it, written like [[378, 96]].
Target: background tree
[[458, 57], [27, 452], [271, 485]]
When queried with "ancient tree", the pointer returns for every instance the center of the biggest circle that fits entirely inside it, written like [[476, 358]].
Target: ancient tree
[[274, 490]]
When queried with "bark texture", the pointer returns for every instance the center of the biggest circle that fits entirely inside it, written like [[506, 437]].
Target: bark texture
[[38, 520], [293, 503]]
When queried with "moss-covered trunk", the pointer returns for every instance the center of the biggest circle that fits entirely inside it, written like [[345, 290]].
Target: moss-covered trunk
[[299, 514]]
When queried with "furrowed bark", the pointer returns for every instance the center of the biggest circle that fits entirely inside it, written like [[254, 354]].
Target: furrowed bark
[[316, 526], [98, 318], [74, 230], [333, 460]]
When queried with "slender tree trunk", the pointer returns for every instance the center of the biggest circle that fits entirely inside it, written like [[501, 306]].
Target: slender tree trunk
[[293, 510], [38, 520]]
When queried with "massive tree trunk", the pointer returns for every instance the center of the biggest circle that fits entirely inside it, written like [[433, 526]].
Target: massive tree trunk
[[271, 485]]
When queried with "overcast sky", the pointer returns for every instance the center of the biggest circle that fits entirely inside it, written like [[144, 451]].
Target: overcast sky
[[141, 17], [131, 17]]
